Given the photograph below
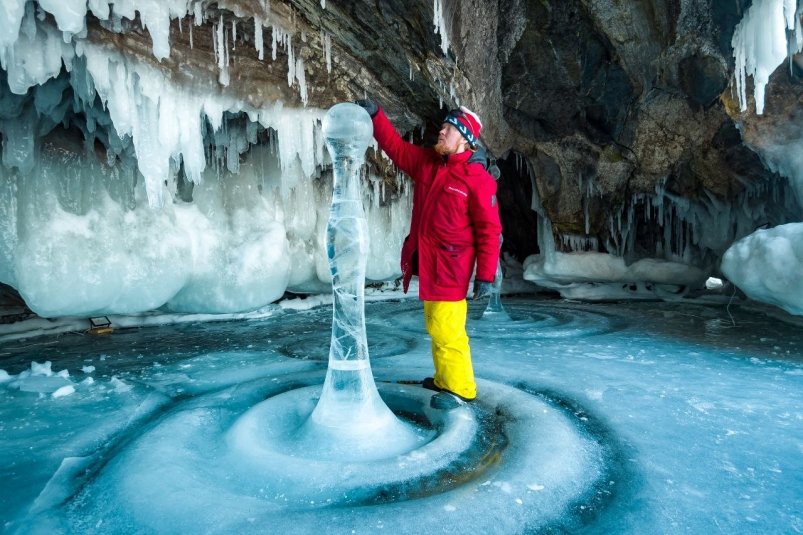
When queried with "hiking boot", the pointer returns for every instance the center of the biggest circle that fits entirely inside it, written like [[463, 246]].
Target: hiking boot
[[429, 384]]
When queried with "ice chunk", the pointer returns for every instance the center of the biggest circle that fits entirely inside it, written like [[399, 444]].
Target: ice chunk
[[120, 386], [566, 272], [39, 378], [766, 266], [65, 390]]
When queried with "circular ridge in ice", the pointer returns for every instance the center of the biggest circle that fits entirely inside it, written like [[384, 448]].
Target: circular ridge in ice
[[368, 430], [511, 462], [525, 320]]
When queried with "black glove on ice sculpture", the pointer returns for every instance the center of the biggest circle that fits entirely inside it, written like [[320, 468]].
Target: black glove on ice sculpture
[[369, 105]]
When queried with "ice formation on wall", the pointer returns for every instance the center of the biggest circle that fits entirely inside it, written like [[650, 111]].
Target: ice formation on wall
[[439, 20], [681, 238], [760, 44], [765, 264], [236, 193], [136, 94]]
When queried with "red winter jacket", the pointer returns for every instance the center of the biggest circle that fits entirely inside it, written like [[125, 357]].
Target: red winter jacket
[[455, 218]]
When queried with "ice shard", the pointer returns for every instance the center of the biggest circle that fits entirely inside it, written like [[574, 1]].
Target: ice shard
[[350, 410]]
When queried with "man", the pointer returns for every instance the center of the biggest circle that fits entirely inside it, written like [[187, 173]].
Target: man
[[455, 223]]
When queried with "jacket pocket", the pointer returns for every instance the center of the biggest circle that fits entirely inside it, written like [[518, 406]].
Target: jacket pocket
[[453, 265]]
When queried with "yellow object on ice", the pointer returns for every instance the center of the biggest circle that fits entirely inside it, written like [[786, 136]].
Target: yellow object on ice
[[446, 324]]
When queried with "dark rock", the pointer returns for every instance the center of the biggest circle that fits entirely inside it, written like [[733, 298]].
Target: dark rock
[[702, 78]]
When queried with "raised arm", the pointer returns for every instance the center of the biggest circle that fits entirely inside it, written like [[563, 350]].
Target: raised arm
[[407, 157]]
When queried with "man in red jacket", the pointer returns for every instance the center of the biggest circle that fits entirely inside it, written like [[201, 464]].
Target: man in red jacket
[[455, 224]]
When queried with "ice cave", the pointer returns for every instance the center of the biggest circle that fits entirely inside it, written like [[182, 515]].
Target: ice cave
[[203, 326]]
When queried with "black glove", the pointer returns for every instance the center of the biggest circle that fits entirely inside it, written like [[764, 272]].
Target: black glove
[[369, 105], [482, 289]]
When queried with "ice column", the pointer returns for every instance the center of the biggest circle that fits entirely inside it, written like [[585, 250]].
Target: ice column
[[495, 310], [350, 406]]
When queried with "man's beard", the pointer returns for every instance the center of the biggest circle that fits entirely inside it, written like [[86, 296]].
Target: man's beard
[[443, 149]]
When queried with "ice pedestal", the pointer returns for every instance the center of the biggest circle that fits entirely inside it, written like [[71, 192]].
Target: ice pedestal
[[350, 413]]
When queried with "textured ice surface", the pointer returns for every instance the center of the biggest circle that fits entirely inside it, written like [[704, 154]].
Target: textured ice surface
[[700, 415]]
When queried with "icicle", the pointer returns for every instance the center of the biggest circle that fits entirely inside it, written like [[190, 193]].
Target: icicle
[[190, 36], [326, 44], [291, 60], [214, 44], [234, 34], [258, 42], [440, 25], [198, 11], [222, 53], [276, 33], [302, 82], [760, 45], [323, 4], [70, 15]]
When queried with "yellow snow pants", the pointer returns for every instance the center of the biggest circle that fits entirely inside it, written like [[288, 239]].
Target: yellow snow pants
[[446, 324]]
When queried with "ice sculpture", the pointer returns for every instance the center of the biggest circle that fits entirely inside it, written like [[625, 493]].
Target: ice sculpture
[[350, 410]]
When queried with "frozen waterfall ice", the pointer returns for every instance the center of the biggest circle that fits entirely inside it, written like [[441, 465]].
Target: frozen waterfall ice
[[350, 410], [769, 32]]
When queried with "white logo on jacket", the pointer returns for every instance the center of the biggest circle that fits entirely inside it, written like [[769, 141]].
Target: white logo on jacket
[[461, 192]]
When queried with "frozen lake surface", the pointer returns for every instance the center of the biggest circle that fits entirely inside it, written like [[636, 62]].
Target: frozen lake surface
[[605, 418]]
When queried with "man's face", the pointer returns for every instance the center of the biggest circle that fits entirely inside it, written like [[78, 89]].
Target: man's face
[[450, 141]]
